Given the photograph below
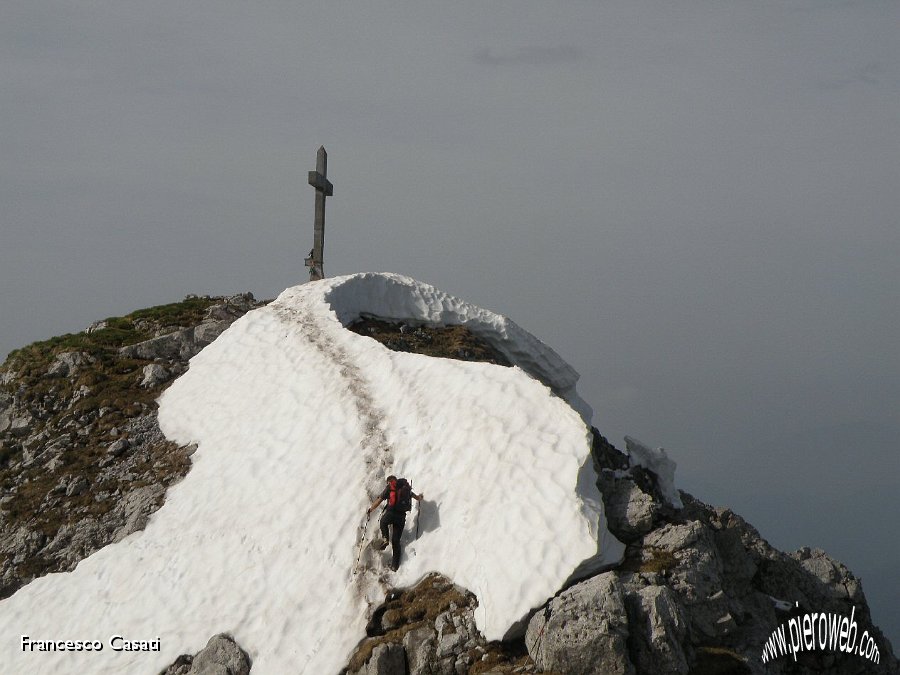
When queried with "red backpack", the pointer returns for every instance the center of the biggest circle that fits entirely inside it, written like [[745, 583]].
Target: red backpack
[[400, 496]]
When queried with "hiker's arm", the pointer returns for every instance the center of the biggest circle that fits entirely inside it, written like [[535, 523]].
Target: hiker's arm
[[418, 497], [375, 505]]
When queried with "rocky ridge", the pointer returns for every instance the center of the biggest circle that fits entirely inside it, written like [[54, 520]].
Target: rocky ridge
[[699, 593], [83, 464]]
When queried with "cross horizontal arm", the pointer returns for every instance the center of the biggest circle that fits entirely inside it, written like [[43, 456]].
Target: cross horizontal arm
[[320, 183]]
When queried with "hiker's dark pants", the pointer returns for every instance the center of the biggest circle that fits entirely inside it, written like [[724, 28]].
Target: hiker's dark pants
[[398, 520]]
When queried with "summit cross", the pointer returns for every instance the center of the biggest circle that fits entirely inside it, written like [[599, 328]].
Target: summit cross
[[323, 189]]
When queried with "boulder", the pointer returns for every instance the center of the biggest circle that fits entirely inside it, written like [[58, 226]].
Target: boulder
[[698, 573], [658, 629], [180, 345], [77, 486], [66, 364], [221, 656], [833, 575], [583, 631], [118, 448], [205, 333], [387, 659], [165, 347], [154, 375], [421, 650], [232, 307], [630, 512]]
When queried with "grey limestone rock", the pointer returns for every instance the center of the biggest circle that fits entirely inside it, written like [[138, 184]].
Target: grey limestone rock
[[421, 650], [658, 628], [387, 659], [583, 631], [75, 541], [698, 575], [831, 573], [231, 307], [221, 656], [154, 374], [165, 347], [118, 447], [77, 486], [136, 507], [205, 333], [20, 425], [66, 364], [630, 511], [180, 345]]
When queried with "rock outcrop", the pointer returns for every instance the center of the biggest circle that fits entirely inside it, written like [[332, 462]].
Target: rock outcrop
[[430, 630], [221, 656], [83, 462], [700, 592]]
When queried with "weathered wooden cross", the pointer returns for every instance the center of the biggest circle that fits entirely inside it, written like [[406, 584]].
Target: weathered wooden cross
[[324, 189]]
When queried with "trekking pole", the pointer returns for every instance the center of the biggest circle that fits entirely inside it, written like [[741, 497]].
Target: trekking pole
[[362, 538], [418, 513]]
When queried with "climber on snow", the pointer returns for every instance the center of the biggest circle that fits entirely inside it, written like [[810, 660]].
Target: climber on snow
[[399, 495]]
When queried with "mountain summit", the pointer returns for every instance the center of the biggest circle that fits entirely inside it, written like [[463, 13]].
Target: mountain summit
[[538, 547], [297, 422]]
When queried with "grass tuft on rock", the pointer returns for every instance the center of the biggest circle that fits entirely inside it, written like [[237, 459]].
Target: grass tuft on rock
[[448, 342]]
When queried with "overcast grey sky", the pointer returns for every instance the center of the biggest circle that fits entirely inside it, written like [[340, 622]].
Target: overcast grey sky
[[695, 203]]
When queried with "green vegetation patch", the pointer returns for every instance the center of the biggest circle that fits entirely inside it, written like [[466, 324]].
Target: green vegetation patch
[[188, 312], [659, 561], [448, 342], [104, 380], [118, 331], [648, 560]]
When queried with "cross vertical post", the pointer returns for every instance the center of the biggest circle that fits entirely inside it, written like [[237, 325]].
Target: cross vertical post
[[323, 189]]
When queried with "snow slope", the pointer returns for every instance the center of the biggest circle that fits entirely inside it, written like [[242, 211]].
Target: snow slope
[[297, 422]]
